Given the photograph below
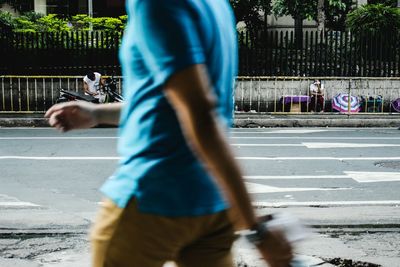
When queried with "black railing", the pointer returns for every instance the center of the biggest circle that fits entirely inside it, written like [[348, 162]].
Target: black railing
[[59, 53], [276, 53], [269, 53]]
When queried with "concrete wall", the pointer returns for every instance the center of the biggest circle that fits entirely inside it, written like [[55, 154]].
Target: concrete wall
[[287, 23], [8, 8], [41, 6], [262, 94]]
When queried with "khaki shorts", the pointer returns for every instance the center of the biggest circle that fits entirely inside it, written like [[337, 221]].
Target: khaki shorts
[[128, 238]]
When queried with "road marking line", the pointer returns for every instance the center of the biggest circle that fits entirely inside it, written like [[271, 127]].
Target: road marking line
[[254, 188], [269, 145], [373, 177], [238, 158], [58, 138], [231, 137], [288, 131], [299, 131], [360, 177], [317, 158], [18, 204], [288, 177], [8, 201], [347, 145], [330, 129], [59, 158], [321, 145], [315, 137], [264, 204]]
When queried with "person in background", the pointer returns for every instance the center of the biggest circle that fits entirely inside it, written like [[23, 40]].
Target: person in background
[[92, 83], [317, 96], [178, 192]]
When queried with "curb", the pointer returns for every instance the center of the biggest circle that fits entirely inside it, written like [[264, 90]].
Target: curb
[[23, 122], [254, 123], [258, 121]]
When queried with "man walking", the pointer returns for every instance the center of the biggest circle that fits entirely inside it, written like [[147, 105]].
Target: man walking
[[177, 186]]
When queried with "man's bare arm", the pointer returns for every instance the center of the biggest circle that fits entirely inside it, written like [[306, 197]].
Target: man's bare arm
[[188, 92], [82, 115], [86, 88]]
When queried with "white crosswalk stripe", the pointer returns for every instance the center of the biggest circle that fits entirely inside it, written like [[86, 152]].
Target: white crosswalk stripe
[[12, 202]]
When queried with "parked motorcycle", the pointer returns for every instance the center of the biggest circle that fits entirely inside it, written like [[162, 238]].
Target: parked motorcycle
[[108, 93]]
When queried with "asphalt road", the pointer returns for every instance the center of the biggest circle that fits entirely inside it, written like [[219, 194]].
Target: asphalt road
[[291, 166], [327, 176]]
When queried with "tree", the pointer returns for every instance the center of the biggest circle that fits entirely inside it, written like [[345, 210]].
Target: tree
[[392, 3], [250, 11], [18, 5], [336, 14], [376, 28], [321, 15], [51, 23], [6, 21], [378, 18], [300, 10]]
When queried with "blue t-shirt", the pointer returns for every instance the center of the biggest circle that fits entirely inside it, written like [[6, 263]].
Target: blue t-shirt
[[157, 166]]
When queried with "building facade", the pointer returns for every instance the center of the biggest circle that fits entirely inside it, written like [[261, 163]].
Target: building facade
[[101, 8]]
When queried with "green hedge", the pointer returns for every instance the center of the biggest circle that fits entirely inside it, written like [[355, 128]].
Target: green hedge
[[34, 22]]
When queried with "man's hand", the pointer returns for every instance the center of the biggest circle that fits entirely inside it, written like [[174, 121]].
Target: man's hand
[[72, 115], [275, 249]]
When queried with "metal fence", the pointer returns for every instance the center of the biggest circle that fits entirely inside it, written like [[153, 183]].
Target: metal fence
[[36, 93], [278, 53], [291, 95], [261, 52], [59, 53]]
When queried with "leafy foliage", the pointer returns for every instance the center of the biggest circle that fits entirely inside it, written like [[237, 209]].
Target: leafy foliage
[[81, 22], [336, 14], [34, 22], [306, 9], [18, 5], [23, 24], [250, 11], [392, 3], [51, 23], [374, 18], [6, 21], [107, 24]]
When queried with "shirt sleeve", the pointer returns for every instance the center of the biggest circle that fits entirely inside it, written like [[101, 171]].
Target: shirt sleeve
[[167, 36]]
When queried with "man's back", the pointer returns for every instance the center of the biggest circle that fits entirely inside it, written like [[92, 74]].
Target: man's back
[[157, 166]]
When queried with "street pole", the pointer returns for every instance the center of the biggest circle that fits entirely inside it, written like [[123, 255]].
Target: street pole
[[90, 12]]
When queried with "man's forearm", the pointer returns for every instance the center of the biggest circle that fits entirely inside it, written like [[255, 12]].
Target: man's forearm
[[108, 113], [214, 150]]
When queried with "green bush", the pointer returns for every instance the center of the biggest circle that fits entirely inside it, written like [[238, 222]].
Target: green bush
[[51, 23], [22, 24], [34, 22], [6, 21], [107, 24], [378, 18], [81, 22]]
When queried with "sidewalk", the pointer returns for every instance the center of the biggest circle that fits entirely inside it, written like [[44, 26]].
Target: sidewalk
[[55, 239], [249, 119], [316, 120]]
